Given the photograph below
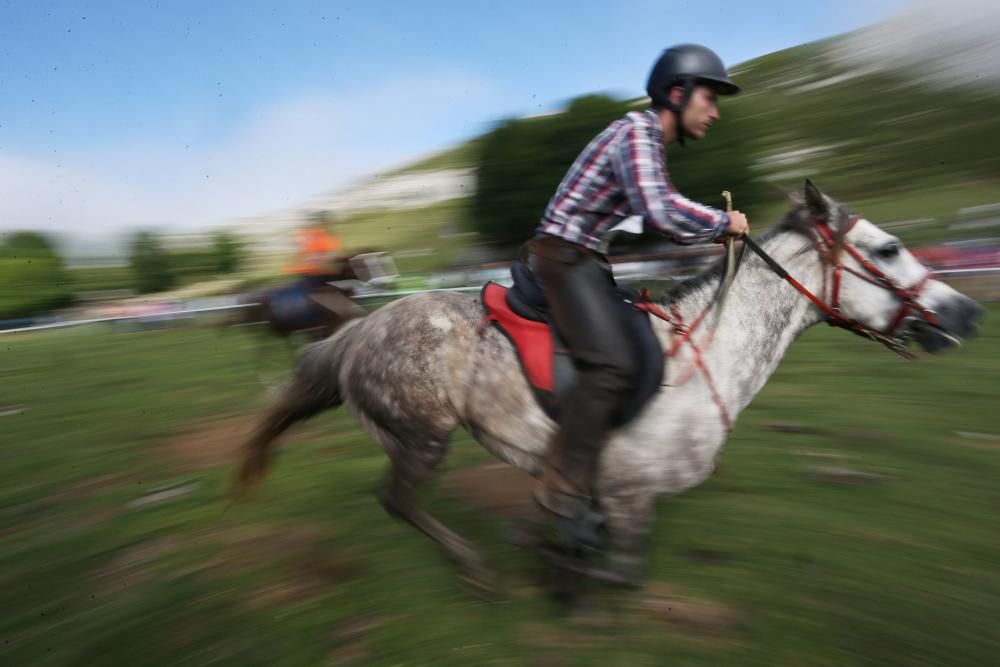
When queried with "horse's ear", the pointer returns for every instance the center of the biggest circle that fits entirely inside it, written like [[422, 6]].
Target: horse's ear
[[816, 201]]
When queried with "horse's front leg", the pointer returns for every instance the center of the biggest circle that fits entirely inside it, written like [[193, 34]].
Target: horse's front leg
[[629, 515], [628, 520]]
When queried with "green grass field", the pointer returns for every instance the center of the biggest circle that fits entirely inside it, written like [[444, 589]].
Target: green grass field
[[114, 549]]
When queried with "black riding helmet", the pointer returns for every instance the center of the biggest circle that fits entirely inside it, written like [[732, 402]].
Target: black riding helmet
[[687, 65]]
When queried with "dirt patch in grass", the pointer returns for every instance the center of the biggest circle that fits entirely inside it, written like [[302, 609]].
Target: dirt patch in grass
[[294, 563], [133, 565], [217, 442], [687, 613], [498, 488]]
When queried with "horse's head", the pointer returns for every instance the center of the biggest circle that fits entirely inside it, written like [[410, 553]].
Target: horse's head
[[876, 286]]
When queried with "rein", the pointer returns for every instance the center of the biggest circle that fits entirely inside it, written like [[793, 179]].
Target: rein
[[827, 245]]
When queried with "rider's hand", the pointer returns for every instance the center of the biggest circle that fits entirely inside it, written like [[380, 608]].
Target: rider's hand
[[738, 225]]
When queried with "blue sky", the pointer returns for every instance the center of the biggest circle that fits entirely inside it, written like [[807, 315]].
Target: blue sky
[[117, 114]]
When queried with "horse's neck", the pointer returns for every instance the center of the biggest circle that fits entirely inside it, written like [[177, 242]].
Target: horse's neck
[[762, 315]]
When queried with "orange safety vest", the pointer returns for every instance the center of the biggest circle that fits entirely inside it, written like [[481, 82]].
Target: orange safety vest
[[317, 248]]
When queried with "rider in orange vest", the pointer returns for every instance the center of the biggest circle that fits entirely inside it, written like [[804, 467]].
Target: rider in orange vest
[[319, 252], [318, 262]]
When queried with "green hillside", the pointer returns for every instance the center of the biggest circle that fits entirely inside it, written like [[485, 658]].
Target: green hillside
[[892, 147]]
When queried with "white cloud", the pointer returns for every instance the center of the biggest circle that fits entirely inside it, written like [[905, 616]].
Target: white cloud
[[944, 43], [281, 155]]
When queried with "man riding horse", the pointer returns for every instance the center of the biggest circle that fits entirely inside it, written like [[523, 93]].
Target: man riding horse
[[319, 262], [622, 172], [414, 371]]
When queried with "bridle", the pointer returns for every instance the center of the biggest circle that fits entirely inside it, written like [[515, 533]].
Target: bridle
[[829, 246]]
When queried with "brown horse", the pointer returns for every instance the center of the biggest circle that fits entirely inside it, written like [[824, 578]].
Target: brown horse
[[295, 309], [313, 308], [316, 306]]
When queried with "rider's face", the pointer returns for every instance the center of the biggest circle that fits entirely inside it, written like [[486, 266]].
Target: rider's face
[[701, 112]]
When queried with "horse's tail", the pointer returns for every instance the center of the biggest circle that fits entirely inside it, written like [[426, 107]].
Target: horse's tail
[[314, 387]]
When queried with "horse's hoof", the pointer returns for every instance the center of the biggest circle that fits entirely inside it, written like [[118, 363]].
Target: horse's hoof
[[579, 565], [628, 570]]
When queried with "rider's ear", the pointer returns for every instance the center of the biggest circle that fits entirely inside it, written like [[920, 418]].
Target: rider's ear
[[816, 201]]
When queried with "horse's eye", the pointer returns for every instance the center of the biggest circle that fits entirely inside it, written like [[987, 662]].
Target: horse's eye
[[888, 251]]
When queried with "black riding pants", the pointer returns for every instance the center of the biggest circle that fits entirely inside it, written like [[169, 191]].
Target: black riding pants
[[579, 285]]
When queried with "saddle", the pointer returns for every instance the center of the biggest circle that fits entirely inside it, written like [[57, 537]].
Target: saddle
[[520, 312]]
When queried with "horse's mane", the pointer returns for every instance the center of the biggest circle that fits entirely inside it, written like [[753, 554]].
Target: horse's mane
[[797, 220]]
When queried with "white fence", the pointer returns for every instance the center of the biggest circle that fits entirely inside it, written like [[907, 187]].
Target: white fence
[[190, 312]]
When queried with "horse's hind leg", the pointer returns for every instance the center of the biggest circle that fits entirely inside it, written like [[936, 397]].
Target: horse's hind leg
[[412, 463]]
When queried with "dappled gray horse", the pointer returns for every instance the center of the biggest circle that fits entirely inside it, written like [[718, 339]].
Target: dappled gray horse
[[420, 367]]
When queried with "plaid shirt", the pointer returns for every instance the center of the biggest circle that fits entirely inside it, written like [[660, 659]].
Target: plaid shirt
[[621, 173]]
